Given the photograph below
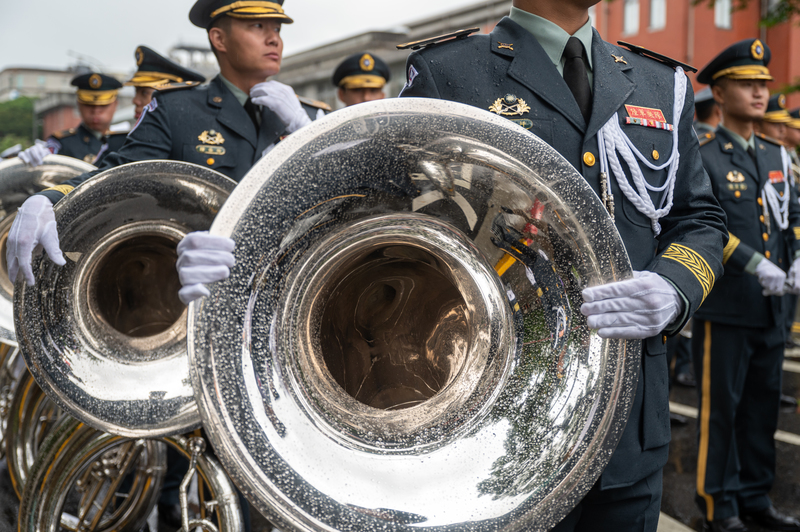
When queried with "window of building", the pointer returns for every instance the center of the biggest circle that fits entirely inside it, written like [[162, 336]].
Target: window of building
[[630, 21], [20, 81], [658, 14], [40, 81], [722, 14]]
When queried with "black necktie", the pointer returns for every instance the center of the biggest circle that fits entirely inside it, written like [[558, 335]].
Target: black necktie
[[751, 152], [576, 77], [252, 111]]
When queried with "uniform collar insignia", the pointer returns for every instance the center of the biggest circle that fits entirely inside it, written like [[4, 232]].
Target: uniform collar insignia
[[728, 146], [619, 59], [509, 105], [212, 137], [504, 46]]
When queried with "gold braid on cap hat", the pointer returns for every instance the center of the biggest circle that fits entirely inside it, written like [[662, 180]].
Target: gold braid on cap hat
[[252, 9]]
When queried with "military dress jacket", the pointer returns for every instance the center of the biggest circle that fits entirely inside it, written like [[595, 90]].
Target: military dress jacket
[[81, 143], [482, 69], [204, 125], [738, 182]]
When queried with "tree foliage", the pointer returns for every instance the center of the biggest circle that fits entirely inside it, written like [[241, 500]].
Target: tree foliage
[[16, 119]]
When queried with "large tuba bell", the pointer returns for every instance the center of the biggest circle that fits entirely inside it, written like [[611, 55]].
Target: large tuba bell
[[18, 181], [399, 345], [105, 335]]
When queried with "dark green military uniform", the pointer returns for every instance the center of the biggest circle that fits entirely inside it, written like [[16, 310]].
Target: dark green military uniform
[[518, 80], [202, 125], [82, 143], [738, 333]]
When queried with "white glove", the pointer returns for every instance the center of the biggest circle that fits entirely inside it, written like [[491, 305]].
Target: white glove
[[35, 224], [793, 278], [771, 278], [634, 309], [202, 258], [34, 156], [282, 101]]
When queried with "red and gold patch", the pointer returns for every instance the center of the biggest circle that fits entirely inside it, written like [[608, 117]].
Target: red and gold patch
[[645, 113], [776, 176]]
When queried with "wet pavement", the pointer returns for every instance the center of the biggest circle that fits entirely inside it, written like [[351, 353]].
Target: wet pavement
[[679, 474]]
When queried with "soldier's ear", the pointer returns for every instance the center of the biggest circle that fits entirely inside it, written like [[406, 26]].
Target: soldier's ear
[[718, 91], [217, 37]]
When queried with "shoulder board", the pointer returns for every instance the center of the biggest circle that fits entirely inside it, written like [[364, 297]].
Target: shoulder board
[[174, 85], [708, 137], [644, 52], [316, 104], [416, 45], [65, 133], [769, 139]]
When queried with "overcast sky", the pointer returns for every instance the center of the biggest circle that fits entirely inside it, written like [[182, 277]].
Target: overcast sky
[[47, 33]]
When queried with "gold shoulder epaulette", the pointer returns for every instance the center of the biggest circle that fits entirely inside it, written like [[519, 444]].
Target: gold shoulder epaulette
[[416, 45], [769, 139], [316, 104], [644, 52], [708, 137], [65, 133]]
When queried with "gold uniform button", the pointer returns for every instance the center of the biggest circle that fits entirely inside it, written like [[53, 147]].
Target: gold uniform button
[[210, 161], [760, 202], [761, 218], [765, 236], [655, 155], [738, 194], [588, 159], [767, 254]]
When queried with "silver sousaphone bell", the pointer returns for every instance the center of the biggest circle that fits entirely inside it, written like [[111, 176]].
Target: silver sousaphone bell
[[105, 335], [19, 181], [399, 346]]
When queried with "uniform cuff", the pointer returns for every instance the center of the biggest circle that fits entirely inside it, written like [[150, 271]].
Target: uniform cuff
[[750, 267]]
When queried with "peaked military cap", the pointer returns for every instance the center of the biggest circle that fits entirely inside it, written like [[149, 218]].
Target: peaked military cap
[[776, 110], [156, 71], [747, 59], [362, 71], [794, 114], [96, 89], [206, 12]]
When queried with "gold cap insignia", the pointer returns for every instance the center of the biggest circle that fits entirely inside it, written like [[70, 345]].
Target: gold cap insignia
[[782, 101], [139, 57], [735, 176], [367, 63], [757, 50], [212, 137], [510, 105], [95, 81]]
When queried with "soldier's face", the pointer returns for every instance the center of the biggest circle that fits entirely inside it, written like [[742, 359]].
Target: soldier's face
[[776, 131], [255, 46], [97, 117], [353, 96], [140, 100], [792, 138], [742, 99]]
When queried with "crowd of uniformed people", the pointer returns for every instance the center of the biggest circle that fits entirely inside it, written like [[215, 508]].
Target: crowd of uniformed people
[[712, 239]]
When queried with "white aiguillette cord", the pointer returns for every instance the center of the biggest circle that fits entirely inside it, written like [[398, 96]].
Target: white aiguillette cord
[[612, 141], [777, 204]]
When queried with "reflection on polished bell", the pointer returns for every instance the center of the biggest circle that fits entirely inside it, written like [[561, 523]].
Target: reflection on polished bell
[[398, 346]]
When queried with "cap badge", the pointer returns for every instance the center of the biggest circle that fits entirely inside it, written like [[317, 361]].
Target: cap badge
[[619, 59], [782, 101], [757, 50], [95, 81], [367, 63], [509, 105], [139, 57], [212, 137], [735, 176], [504, 46]]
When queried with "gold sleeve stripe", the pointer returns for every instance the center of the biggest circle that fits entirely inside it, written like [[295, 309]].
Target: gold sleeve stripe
[[694, 263], [796, 233], [64, 189], [733, 243]]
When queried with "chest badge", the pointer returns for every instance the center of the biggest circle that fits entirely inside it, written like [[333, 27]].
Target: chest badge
[[212, 141], [776, 176], [510, 105], [212, 137], [735, 176]]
